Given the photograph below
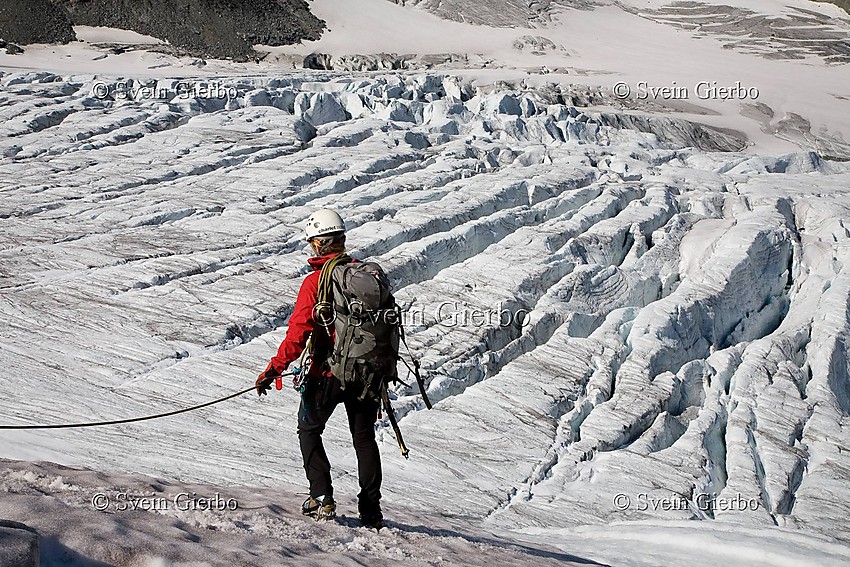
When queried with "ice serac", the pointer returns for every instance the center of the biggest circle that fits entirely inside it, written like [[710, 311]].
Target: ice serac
[[359, 63], [677, 132], [825, 434]]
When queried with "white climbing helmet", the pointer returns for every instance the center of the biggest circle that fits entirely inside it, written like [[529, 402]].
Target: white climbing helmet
[[322, 223]]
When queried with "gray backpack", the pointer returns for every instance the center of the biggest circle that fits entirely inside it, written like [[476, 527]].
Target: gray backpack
[[366, 327], [355, 298]]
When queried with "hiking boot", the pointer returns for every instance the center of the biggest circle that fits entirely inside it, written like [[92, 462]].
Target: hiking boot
[[376, 522], [320, 508]]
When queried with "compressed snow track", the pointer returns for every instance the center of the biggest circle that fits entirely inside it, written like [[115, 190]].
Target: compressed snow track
[[684, 322], [207, 525]]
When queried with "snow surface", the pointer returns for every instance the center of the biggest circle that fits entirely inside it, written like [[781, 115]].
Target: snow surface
[[263, 529], [685, 347], [98, 34], [597, 47]]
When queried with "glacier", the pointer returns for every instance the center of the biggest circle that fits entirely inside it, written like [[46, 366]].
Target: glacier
[[632, 325]]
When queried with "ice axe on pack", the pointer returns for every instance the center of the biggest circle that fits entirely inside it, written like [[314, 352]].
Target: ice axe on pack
[[385, 398]]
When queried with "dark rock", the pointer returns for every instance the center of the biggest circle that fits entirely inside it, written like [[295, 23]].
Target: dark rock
[[205, 28], [417, 140], [844, 4], [318, 61], [34, 21]]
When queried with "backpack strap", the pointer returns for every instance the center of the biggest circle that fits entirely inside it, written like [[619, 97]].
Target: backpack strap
[[324, 310], [345, 340]]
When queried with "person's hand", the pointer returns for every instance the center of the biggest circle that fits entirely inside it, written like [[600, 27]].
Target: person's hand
[[264, 381]]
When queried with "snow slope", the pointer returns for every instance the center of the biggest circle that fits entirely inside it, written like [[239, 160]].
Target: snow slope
[[678, 379], [678, 45], [205, 525]]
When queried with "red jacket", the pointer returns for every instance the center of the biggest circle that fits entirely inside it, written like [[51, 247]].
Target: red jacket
[[301, 324]]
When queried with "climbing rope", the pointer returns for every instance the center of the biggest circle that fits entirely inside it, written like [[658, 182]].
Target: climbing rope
[[131, 419]]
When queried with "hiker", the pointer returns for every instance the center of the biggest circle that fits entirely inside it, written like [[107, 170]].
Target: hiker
[[322, 391]]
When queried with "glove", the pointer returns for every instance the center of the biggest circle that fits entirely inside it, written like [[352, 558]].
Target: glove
[[264, 381]]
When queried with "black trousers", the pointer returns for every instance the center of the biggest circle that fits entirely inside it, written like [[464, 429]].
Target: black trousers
[[318, 403]]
